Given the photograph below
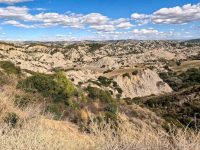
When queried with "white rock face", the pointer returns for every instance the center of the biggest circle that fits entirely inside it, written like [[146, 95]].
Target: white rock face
[[106, 62], [145, 83], [82, 76]]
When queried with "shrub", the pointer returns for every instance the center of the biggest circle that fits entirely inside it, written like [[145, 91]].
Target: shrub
[[56, 109], [126, 75], [135, 72], [104, 81], [10, 68], [56, 86], [112, 108], [25, 99], [11, 119], [178, 62], [107, 71], [96, 93], [183, 80], [119, 90], [3, 79], [94, 46]]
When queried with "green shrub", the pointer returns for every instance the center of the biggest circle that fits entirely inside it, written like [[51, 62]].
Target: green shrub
[[10, 68], [119, 90], [135, 72], [183, 80], [56, 109], [178, 62], [94, 46], [23, 100], [107, 71], [126, 75], [3, 79], [104, 81], [112, 108], [11, 119], [56, 86], [96, 93]]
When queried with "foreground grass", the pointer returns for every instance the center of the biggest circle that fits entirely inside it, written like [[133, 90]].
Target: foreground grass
[[40, 136], [36, 132]]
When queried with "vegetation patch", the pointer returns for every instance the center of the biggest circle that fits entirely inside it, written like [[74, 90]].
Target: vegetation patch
[[94, 46], [126, 75], [56, 86], [57, 89], [186, 79], [96, 93], [11, 119], [105, 81], [10, 68], [177, 108]]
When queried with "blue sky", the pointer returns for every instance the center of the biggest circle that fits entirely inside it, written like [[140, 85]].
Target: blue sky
[[50, 20]]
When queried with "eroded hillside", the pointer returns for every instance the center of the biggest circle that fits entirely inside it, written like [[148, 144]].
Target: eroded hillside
[[111, 94], [85, 62]]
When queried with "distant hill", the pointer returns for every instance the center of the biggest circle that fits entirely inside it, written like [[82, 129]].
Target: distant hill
[[194, 41]]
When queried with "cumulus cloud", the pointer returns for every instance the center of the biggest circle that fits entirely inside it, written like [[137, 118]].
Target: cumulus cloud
[[141, 19], [145, 31], [177, 15], [105, 28], [13, 1], [93, 20], [17, 24], [139, 34], [125, 25], [53, 19], [136, 16], [16, 13]]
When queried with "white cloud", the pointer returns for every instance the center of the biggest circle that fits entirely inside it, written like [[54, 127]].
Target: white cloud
[[136, 16], [16, 13], [122, 23], [141, 19], [13, 1], [125, 25], [105, 28], [95, 19], [145, 31], [53, 19], [44, 20], [40, 9], [17, 24], [177, 15]]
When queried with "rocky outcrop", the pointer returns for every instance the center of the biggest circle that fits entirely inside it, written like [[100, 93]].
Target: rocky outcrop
[[146, 82]]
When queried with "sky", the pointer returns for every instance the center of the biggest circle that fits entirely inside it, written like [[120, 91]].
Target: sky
[[75, 20]]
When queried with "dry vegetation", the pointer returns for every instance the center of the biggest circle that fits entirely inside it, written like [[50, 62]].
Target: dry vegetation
[[33, 131], [41, 111]]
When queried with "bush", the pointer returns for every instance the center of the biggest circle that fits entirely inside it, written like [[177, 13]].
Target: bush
[[3, 79], [57, 109], [10, 68], [94, 46], [96, 93], [25, 99], [11, 119], [126, 75], [183, 80], [112, 108], [104, 81], [135, 72], [56, 86]]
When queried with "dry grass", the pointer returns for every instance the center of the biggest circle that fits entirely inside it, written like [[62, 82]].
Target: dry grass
[[186, 65], [130, 137], [35, 132]]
